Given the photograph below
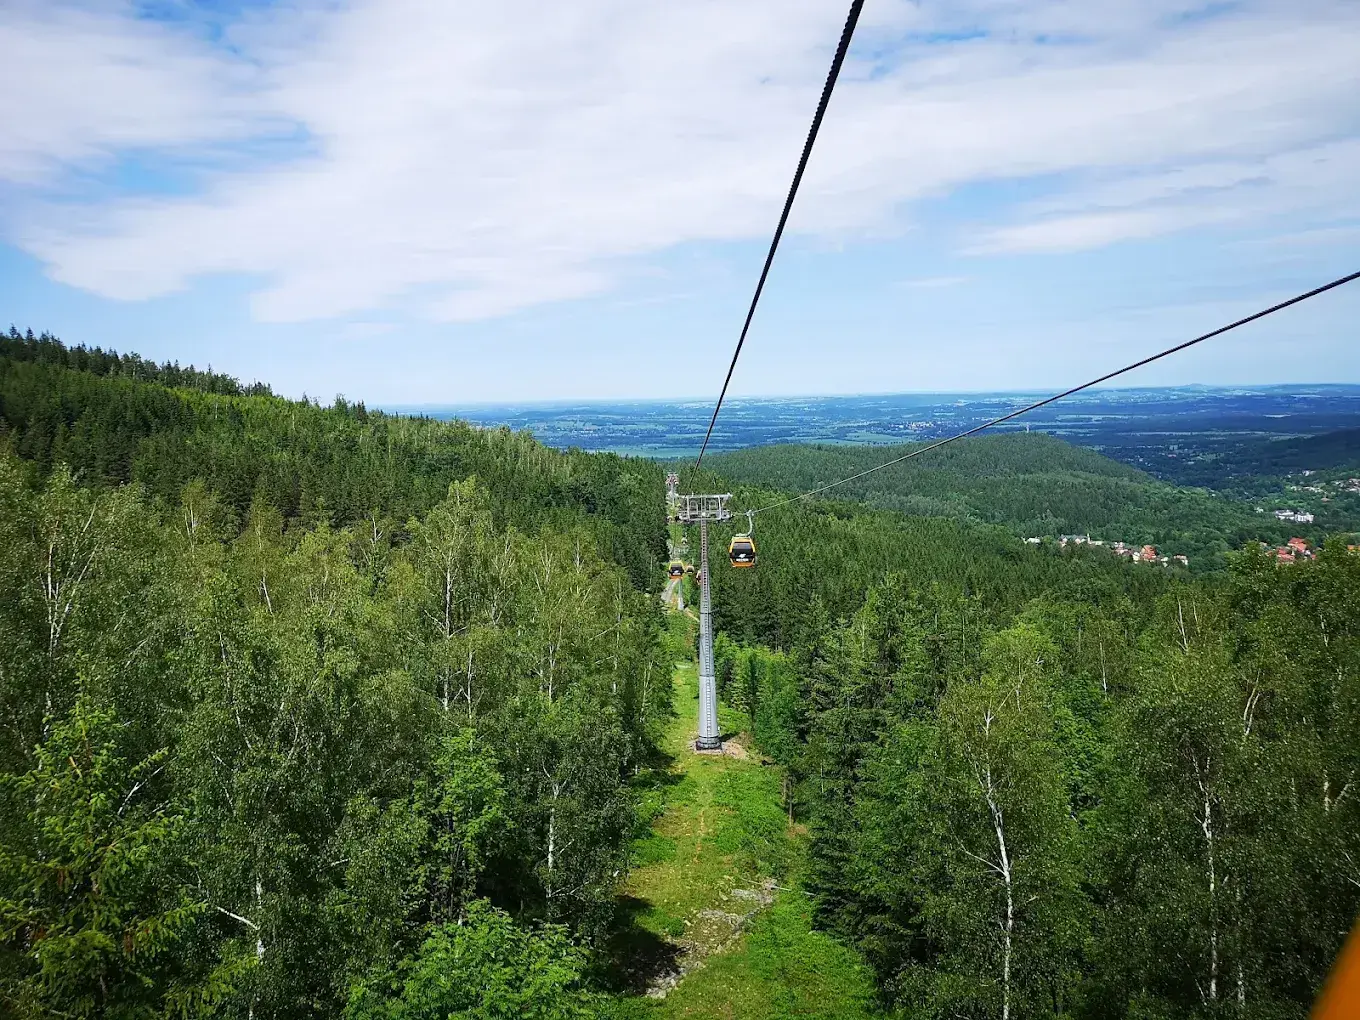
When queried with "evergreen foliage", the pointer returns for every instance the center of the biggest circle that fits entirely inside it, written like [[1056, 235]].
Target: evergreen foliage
[[46, 349], [318, 712], [1095, 793], [1030, 484], [341, 464], [297, 717]]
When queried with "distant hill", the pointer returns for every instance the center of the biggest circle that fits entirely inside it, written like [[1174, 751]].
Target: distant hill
[[1254, 464], [117, 418], [1033, 484], [1316, 453], [48, 351]]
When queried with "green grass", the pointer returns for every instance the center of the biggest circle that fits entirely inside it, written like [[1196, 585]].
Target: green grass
[[781, 968], [709, 825], [705, 837]]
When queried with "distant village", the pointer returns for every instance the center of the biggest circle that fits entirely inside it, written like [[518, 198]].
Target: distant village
[[1137, 553], [1291, 552], [1327, 490]]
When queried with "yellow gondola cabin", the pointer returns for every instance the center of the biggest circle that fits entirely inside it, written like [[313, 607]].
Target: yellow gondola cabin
[[742, 551]]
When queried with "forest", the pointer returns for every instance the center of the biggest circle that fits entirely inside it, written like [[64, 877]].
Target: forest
[[299, 705], [1252, 466], [314, 711], [1046, 783], [46, 349], [1031, 484]]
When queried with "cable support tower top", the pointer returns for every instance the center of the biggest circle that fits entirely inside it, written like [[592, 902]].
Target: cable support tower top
[[1297, 299], [847, 32], [691, 509]]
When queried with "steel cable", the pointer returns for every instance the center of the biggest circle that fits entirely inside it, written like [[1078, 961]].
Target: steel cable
[[1075, 389], [847, 32]]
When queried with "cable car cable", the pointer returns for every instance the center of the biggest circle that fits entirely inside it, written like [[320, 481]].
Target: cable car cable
[[1075, 389], [851, 20]]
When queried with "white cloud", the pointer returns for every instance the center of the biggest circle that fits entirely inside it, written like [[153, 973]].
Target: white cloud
[[466, 161], [85, 83], [1309, 182]]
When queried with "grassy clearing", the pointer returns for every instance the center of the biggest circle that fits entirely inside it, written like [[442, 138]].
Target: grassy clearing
[[780, 968], [712, 843], [714, 826]]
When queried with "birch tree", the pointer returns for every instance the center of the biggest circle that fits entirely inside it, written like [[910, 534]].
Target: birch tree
[[967, 860]]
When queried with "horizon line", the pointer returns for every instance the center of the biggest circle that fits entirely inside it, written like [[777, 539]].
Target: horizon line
[[566, 401]]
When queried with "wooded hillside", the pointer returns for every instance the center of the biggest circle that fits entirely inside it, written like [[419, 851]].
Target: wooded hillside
[[310, 712], [1048, 783], [298, 705], [341, 464], [1032, 484]]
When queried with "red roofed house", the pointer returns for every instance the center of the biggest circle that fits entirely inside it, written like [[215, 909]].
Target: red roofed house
[[1284, 555], [1299, 545], [1148, 553]]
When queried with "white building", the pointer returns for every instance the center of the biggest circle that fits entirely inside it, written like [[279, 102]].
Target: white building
[[1297, 516]]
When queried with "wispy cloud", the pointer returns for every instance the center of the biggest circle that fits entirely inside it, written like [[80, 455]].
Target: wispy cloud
[[1310, 182], [465, 161], [86, 83]]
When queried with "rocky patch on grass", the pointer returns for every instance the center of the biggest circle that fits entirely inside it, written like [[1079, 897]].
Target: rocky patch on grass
[[711, 932]]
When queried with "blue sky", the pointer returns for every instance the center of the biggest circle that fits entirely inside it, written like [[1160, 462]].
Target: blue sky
[[408, 201]]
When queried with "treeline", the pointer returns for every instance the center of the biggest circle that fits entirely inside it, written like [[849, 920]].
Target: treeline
[[299, 718], [46, 349], [1040, 784], [1031, 484], [340, 464]]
